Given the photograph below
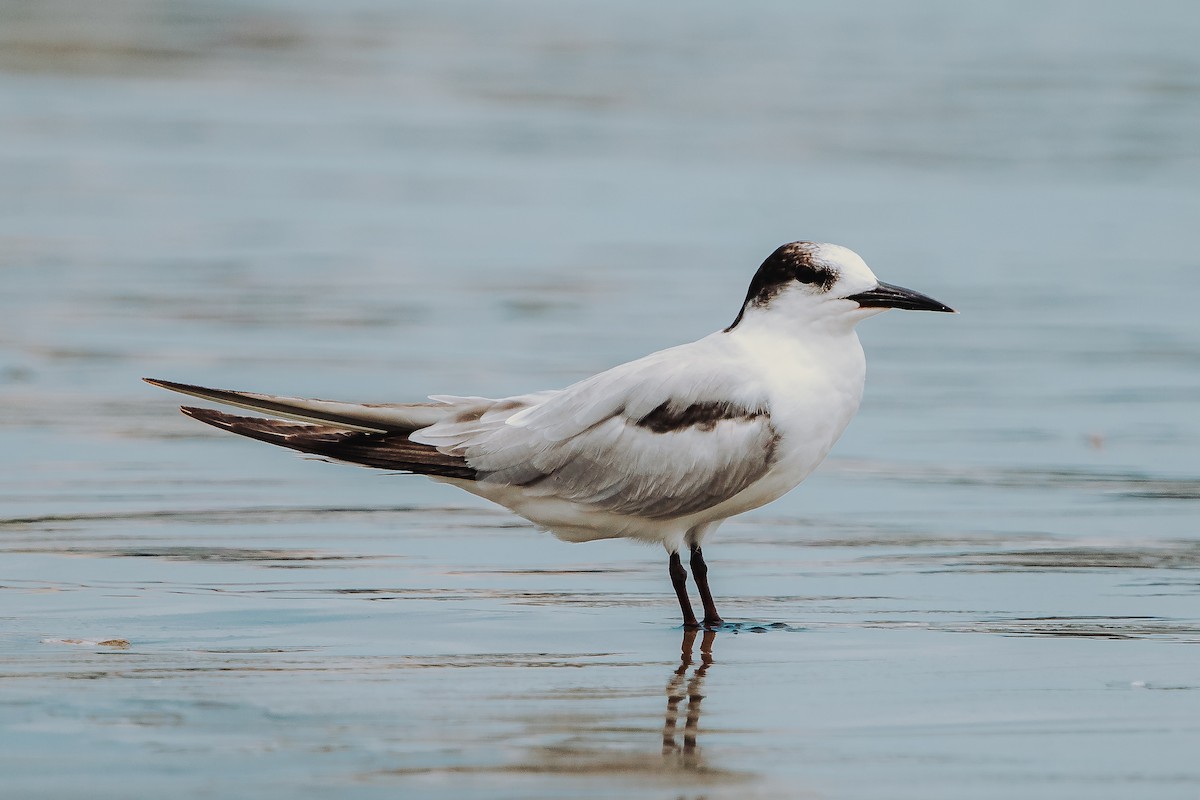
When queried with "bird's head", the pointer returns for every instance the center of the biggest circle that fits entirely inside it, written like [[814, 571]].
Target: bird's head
[[823, 283]]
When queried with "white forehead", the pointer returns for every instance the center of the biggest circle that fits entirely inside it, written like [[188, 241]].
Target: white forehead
[[848, 263]]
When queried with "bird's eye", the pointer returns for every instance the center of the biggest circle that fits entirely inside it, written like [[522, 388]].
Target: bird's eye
[[815, 276]]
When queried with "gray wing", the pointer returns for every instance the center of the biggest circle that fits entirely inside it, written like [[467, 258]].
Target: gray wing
[[665, 436]]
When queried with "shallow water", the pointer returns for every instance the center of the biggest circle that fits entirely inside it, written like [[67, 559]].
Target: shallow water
[[990, 590]]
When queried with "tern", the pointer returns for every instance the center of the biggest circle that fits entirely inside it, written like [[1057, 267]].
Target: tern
[[662, 449]]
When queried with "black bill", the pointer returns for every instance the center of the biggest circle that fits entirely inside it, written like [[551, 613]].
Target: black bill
[[886, 295]]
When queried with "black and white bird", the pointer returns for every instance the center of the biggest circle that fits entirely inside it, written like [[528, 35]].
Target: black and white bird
[[662, 449]]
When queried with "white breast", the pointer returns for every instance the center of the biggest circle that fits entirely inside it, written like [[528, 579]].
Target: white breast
[[815, 386]]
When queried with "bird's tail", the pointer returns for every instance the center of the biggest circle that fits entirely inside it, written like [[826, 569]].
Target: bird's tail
[[391, 451], [371, 435]]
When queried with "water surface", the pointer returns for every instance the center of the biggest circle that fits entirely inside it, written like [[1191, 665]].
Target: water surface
[[990, 590]]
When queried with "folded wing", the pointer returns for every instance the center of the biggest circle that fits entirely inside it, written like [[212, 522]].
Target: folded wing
[[654, 438], [643, 439]]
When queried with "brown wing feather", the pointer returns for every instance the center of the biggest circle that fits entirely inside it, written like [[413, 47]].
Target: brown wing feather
[[379, 450]]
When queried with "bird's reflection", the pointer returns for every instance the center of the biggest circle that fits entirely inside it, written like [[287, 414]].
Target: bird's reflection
[[682, 752], [597, 733]]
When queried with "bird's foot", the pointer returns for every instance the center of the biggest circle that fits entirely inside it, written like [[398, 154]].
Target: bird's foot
[[707, 624]]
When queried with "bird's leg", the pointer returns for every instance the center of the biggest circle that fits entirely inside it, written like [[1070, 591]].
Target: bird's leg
[[700, 573], [679, 581]]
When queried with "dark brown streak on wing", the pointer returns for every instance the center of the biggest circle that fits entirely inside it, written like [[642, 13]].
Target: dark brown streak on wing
[[379, 450], [705, 416]]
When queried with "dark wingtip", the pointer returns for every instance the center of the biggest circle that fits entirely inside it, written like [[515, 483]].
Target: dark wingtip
[[209, 416], [171, 385], [391, 451]]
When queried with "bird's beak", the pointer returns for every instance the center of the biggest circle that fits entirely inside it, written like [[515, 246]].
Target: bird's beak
[[886, 295]]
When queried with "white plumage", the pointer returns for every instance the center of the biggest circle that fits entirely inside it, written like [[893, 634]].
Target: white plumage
[[661, 449]]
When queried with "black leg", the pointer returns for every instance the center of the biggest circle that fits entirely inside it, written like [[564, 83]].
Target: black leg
[[679, 581], [700, 573]]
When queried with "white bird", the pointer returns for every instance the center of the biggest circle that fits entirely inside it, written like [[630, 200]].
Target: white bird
[[662, 449]]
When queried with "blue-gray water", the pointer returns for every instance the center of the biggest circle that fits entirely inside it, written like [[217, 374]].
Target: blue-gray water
[[989, 591]]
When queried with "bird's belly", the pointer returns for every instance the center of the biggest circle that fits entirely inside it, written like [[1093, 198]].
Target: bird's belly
[[574, 522]]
